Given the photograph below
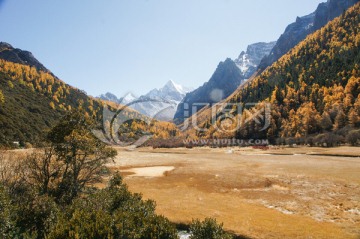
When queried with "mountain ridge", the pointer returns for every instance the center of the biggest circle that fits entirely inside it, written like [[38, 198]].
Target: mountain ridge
[[303, 26], [16, 55]]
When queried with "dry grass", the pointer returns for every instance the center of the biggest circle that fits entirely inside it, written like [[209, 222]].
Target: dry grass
[[262, 194]]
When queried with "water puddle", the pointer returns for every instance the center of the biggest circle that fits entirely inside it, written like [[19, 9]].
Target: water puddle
[[184, 235]]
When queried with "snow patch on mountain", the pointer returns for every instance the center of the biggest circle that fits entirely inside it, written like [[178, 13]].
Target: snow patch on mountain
[[248, 61], [128, 98]]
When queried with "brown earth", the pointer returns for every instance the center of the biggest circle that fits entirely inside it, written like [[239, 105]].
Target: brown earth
[[277, 193]]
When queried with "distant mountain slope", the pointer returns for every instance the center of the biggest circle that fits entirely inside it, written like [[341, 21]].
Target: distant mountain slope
[[297, 31], [226, 78], [314, 88], [109, 97]]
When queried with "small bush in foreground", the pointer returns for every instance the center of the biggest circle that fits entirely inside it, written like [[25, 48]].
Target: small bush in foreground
[[208, 229]]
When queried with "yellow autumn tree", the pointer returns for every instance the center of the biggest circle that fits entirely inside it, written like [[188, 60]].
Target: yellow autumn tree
[[2, 97]]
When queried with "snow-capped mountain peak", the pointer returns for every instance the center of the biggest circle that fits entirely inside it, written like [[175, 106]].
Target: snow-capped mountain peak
[[170, 92], [159, 103], [172, 86], [166, 101]]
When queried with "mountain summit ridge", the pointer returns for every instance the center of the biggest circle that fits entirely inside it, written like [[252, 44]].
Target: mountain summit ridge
[[16, 55]]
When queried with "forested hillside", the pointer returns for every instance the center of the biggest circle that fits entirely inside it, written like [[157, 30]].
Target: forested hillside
[[314, 88], [32, 101]]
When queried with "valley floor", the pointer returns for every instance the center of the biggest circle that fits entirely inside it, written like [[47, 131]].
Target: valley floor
[[277, 193]]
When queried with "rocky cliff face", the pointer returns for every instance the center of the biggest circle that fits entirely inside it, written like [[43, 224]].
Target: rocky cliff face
[[303, 26], [326, 12]]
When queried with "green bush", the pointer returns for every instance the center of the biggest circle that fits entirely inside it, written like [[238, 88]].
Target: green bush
[[208, 229], [112, 212], [32, 204], [7, 227]]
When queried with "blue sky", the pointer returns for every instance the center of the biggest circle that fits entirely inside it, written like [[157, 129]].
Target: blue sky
[[136, 45]]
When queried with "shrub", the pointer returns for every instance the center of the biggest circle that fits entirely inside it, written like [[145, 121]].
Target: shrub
[[208, 229], [328, 140], [290, 141], [309, 141], [112, 212], [6, 222], [353, 137]]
